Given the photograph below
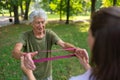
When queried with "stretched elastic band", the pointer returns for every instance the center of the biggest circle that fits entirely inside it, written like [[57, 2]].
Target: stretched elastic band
[[53, 58], [56, 57]]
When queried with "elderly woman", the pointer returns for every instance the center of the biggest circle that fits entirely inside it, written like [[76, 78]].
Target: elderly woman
[[104, 42], [39, 38]]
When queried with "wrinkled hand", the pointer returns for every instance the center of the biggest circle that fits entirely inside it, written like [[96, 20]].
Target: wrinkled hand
[[26, 70], [83, 57], [82, 53], [28, 62]]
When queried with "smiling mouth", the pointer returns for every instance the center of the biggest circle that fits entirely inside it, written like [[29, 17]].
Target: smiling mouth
[[39, 28]]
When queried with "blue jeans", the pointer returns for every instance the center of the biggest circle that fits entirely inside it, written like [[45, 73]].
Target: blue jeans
[[48, 78]]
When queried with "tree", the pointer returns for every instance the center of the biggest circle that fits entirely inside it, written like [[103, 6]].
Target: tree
[[114, 2], [93, 6], [67, 11], [2, 6], [76, 7], [21, 7], [10, 9], [27, 4], [14, 5], [61, 10]]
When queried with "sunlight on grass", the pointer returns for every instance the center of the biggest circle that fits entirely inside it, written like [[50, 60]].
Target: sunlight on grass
[[84, 27], [81, 17], [56, 16]]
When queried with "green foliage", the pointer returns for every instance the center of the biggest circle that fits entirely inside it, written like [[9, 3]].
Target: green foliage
[[62, 69], [98, 4], [44, 4], [107, 3], [14, 2], [77, 7], [53, 6], [118, 3], [1, 4]]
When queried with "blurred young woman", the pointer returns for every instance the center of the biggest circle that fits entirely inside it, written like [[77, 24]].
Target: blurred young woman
[[104, 43]]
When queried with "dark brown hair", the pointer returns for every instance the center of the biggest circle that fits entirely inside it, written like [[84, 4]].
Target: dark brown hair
[[105, 28]]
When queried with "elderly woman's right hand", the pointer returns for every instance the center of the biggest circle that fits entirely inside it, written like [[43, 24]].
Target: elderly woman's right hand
[[28, 62], [27, 71]]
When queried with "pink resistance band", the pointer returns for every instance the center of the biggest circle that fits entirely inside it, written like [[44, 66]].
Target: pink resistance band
[[56, 57]]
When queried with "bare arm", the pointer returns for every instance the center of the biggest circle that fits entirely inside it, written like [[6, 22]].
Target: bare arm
[[82, 52], [27, 71], [17, 53], [66, 45]]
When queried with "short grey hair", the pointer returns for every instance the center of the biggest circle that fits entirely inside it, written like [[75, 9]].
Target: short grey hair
[[37, 13]]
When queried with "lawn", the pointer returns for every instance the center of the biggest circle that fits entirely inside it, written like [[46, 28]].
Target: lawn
[[75, 33]]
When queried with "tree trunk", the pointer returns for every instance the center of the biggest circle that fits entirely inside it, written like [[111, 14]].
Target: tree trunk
[[92, 6], [10, 13], [10, 10], [114, 2], [61, 10], [68, 11], [16, 15], [27, 9], [21, 7]]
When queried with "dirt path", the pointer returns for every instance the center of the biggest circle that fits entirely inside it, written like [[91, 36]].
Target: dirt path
[[4, 20]]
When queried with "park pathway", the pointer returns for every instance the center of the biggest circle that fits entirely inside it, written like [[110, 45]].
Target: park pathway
[[4, 20]]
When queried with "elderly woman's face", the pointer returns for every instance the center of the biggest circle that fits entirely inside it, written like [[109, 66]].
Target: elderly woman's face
[[38, 24], [90, 40]]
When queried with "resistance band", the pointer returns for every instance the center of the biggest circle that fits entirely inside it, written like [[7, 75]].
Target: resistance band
[[53, 58], [56, 57]]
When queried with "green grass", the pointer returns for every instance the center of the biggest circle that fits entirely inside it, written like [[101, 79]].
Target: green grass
[[75, 33], [56, 16]]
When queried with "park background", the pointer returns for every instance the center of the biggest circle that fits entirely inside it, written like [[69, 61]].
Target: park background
[[70, 19]]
